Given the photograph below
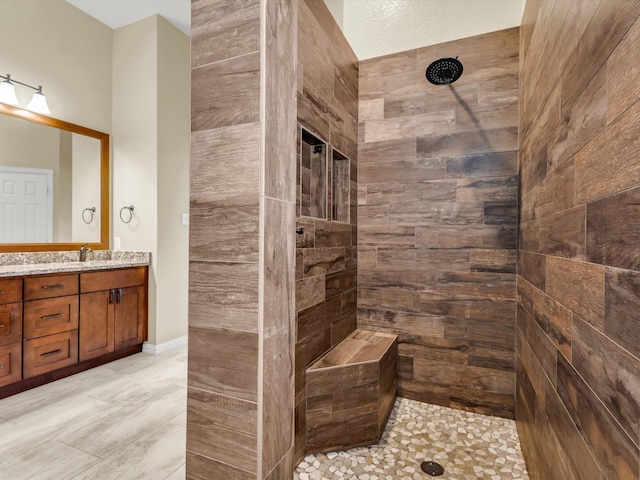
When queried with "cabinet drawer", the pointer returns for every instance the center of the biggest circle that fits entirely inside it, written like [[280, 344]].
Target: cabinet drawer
[[10, 323], [44, 354], [50, 286], [128, 277], [10, 290], [50, 315], [10, 363]]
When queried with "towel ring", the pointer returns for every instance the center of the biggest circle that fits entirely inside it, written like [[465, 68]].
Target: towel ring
[[124, 219], [89, 212]]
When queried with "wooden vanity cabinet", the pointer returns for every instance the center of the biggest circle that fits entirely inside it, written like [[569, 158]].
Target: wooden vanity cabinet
[[55, 325], [10, 330], [113, 311]]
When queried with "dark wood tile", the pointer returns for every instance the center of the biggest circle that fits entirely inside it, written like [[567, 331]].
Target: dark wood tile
[[532, 267], [482, 284], [405, 170], [498, 140], [501, 213], [313, 320], [320, 261], [623, 91], [557, 192], [340, 282], [563, 234], [622, 304], [492, 164], [608, 163], [611, 372], [332, 234], [466, 236], [612, 233], [493, 189], [577, 286], [555, 321], [613, 448], [578, 454], [495, 404]]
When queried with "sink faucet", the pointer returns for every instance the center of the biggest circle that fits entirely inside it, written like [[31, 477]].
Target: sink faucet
[[84, 249]]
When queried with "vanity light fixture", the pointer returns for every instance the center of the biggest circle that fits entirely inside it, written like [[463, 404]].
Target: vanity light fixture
[[38, 103]]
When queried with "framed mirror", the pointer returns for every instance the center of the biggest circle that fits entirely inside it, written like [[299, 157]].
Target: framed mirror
[[54, 184]]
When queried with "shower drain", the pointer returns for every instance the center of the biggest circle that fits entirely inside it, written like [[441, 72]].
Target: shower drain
[[432, 468]]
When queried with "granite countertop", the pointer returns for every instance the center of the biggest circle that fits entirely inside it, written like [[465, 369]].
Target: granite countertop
[[37, 263]]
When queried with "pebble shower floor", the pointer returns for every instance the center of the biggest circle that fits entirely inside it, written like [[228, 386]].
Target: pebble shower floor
[[469, 446]]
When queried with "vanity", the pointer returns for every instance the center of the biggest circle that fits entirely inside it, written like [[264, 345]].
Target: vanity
[[60, 317]]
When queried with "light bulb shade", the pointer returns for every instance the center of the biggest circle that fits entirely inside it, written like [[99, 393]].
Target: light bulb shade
[[38, 104], [8, 93]]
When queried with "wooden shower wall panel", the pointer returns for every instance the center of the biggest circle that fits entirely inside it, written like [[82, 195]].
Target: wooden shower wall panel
[[578, 367], [437, 219], [326, 255], [241, 258]]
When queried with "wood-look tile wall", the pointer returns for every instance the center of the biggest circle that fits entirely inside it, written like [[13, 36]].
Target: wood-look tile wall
[[242, 253], [578, 350], [437, 213], [326, 257]]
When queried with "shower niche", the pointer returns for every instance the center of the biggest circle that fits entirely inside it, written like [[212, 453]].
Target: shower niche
[[340, 186], [324, 180]]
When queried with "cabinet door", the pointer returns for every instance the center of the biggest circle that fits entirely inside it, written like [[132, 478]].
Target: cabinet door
[[130, 316], [10, 363], [96, 323], [10, 323]]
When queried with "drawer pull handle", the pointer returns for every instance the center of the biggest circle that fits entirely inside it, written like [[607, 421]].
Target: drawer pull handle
[[48, 354], [55, 315], [50, 287], [111, 296], [1, 325], [1, 292], [119, 296]]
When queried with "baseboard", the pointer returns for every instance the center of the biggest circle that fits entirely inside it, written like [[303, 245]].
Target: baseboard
[[163, 347]]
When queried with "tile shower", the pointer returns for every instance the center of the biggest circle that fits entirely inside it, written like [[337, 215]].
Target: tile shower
[[429, 251]]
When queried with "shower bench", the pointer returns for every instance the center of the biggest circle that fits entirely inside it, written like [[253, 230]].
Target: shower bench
[[350, 392]]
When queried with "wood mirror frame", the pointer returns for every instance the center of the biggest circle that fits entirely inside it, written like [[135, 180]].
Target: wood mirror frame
[[103, 244]]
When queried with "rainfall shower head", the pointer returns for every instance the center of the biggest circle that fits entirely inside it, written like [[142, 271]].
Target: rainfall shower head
[[444, 71]]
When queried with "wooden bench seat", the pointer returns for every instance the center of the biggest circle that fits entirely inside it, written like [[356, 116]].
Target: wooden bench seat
[[350, 392]]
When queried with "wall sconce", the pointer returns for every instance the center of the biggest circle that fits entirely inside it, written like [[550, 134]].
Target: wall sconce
[[38, 103]]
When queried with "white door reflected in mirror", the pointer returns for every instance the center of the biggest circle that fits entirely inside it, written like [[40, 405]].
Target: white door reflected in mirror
[[26, 205]]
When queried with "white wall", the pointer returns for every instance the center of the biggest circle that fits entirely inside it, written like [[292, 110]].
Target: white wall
[[174, 130], [53, 44], [151, 124], [381, 27]]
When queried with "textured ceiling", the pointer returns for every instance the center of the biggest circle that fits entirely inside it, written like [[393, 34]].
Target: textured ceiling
[[380, 27]]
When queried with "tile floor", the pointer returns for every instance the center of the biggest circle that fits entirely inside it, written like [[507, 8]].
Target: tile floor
[[123, 420], [469, 446], [126, 420]]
